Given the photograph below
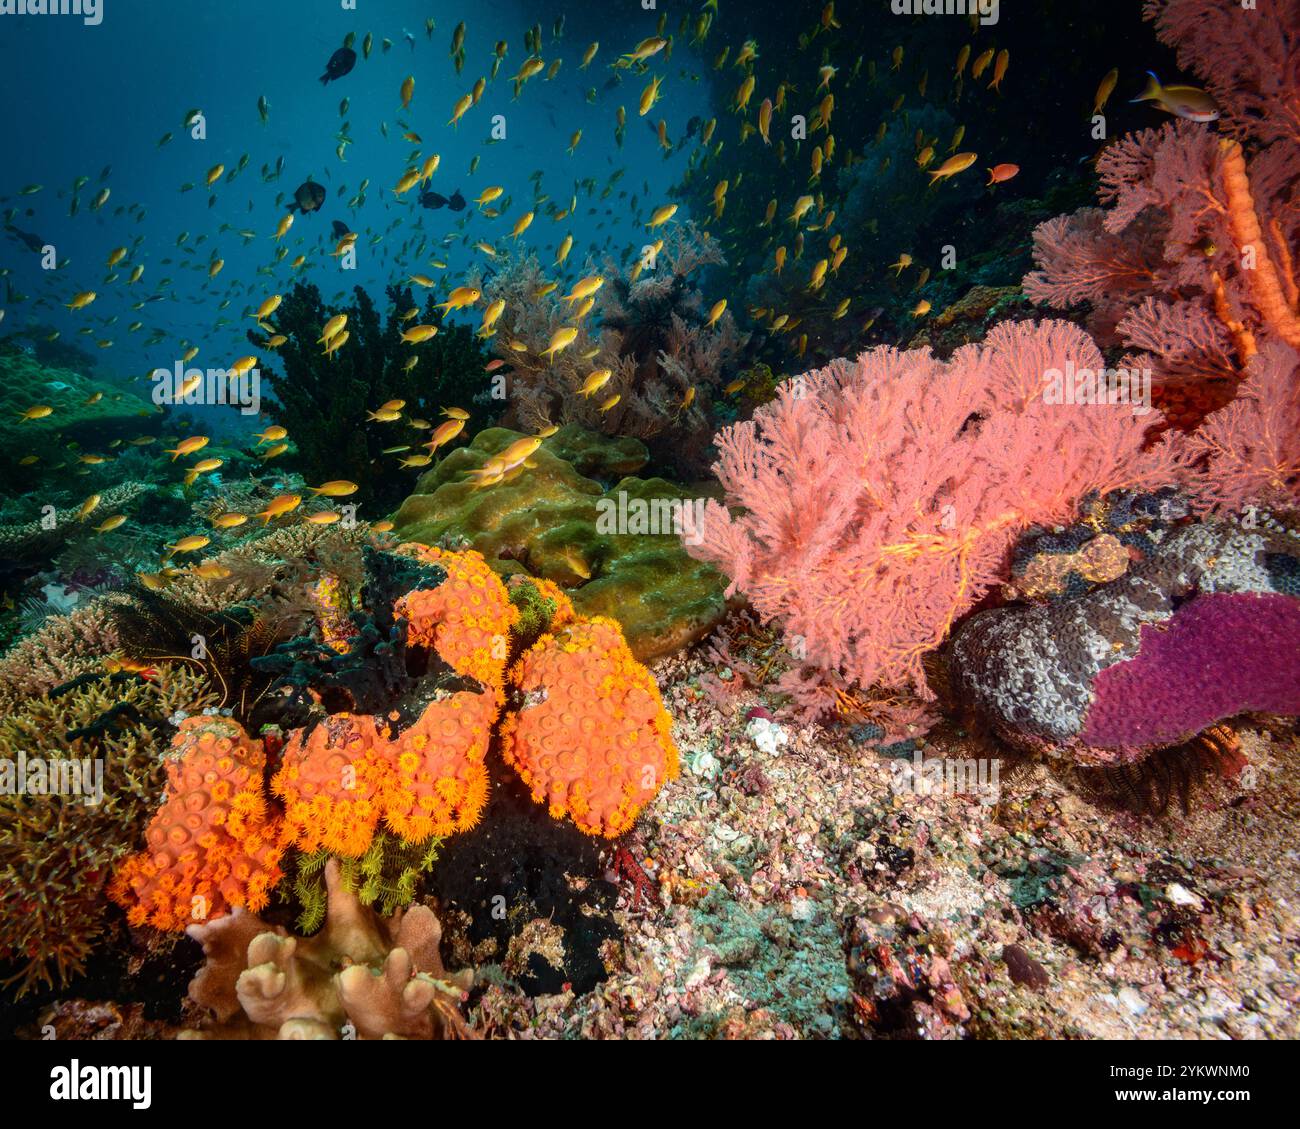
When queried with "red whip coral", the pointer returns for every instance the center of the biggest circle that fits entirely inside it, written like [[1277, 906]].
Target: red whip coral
[[880, 497], [211, 846], [592, 738]]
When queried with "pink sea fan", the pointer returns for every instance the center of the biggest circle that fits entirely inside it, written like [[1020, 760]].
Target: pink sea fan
[[877, 500], [1247, 55], [1253, 444]]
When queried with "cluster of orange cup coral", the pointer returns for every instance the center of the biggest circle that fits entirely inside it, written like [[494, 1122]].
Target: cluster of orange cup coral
[[212, 845], [349, 772], [580, 720], [592, 738]]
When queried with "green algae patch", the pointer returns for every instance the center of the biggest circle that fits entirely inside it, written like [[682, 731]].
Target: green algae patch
[[615, 550]]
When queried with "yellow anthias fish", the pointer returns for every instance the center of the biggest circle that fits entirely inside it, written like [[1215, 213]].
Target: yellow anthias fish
[[952, 166], [661, 215], [211, 571], [279, 505], [444, 433], [921, 308], [1000, 70], [187, 446], [270, 435], [460, 109], [494, 192], [430, 167], [719, 308], [409, 180], [283, 229], [110, 523], [214, 174], [36, 411], [81, 301], [116, 256], [650, 95], [229, 520], [205, 465], [274, 452], [189, 544], [585, 288], [268, 307], [407, 91], [595, 382], [566, 245], [608, 404], [418, 334], [340, 488], [491, 316], [904, 261], [522, 224], [389, 415], [88, 507], [1104, 90], [335, 343], [461, 297], [332, 327], [561, 339]]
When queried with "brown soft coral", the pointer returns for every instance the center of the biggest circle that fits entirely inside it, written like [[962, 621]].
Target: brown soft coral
[[361, 976]]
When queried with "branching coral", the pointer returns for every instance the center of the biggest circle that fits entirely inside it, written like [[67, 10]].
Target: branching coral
[[57, 846], [323, 400], [880, 498]]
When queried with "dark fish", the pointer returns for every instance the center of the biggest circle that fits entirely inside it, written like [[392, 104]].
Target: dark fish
[[308, 197], [340, 229], [692, 126], [30, 241], [431, 199], [341, 62], [457, 202]]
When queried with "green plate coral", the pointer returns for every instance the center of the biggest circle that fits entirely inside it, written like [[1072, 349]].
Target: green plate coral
[[614, 548]]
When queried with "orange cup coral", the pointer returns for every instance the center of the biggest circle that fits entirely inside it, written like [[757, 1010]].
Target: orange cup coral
[[591, 738], [211, 846]]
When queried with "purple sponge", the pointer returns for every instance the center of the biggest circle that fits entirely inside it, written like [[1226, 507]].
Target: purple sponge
[[1219, 655]]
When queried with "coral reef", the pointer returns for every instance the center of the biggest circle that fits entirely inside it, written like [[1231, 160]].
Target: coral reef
[[1202, 630], [213, 844], [881, 498], [615, 550], [1188, 265], [321, 399], [103, 733], [665, 360], [82, 414], [591, 737], [360, 977]]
